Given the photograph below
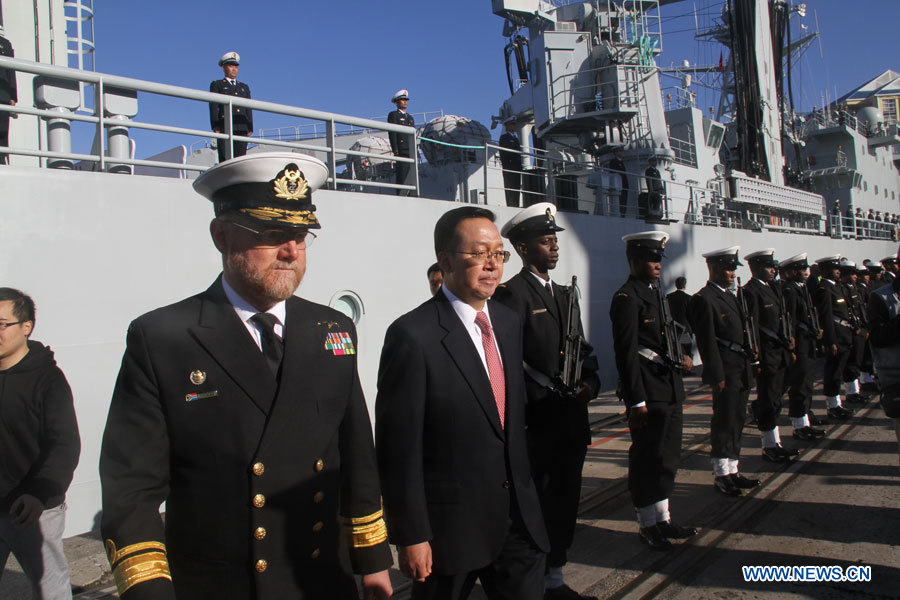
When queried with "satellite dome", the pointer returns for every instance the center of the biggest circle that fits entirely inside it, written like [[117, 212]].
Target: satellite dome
[[871, 116], [451, 129], [373, 145]]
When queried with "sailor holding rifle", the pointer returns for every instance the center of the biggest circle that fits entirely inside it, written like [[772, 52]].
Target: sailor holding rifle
[[651, 386], [834, 319]]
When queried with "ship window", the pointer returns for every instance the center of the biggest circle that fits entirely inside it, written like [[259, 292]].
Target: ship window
[[349, 303]]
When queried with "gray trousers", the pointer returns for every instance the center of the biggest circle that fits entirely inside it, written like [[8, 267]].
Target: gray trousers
[[39, 550]]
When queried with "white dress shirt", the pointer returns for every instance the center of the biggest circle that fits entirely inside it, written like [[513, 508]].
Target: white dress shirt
[[544, 282], [245, 312], [467, 315]]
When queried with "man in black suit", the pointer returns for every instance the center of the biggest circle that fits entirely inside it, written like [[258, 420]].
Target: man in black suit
[[241, 409], [459, 499], [557, 418], [400, 145], [651, 386], [719, 325], [764, 301], [807, 333], [511, 161], [834, 319], [242, 118], [678, 303], [8, 93]]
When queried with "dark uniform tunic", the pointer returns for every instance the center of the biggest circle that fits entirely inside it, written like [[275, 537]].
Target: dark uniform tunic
[[764, 304], [834, 319], [400, 145], [618, 165], [797, 301], [512, 167], [856, 307], [271, 488], [8, 92], [865, 291], [656, 189], [242, 118], [558, 427], [637, 326], [717, 323]]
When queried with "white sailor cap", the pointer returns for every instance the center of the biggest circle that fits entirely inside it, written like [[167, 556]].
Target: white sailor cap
[[833, 260], [400, 95], [862, 269], [728, 256], [230, 58], [269, 188], [867, 262], [537, 219], [797, 261], [890, 258], [653, 242], [763, 257], [847, 265]]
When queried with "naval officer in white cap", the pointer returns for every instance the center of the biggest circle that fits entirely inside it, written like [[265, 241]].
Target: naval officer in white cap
[[242, 118], [776, 343], [241, 409], [651, 386], [719, 325], [400, 145], [834, 319]]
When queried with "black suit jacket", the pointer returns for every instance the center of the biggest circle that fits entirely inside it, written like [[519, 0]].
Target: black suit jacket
[[448, 469], [544, 328], [400, 142], [637, 322], [678, 304], [715, 315], [296, 460], [242, 118], [511, 161]]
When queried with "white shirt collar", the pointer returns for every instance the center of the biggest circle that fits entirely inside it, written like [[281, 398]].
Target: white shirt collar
[[465, 311], [541, 279], [719, 286], [245, 310]]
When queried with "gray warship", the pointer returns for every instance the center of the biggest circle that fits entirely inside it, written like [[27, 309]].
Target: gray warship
[[99, 234]]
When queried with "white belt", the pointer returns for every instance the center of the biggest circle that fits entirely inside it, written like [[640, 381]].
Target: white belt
[[651, 356], [840, 321]]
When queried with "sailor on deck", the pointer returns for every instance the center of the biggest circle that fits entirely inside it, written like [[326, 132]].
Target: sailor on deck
[[242, 118], [400, 145]]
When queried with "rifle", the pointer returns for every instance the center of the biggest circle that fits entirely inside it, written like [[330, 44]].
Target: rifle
[[571, 371], [674, 353], [787, 324], [812, 312], [751, 334]]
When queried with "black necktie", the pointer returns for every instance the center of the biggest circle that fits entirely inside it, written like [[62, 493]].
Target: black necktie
[[272, 345], [549, 288]]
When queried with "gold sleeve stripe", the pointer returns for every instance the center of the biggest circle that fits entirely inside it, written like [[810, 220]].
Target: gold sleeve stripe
[[364, 520], [363, 536], [138, 569], [115, 556]]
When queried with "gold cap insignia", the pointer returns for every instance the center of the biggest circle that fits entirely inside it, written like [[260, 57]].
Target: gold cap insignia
[[290, 183], [197, 377], [662, 244], [550, 216]]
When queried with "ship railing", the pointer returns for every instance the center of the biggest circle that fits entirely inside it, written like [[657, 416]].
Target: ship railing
[[862, 228], [115, 104], [582, 94], [309, 131]]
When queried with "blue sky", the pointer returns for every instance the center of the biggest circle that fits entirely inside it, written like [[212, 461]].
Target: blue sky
[[350, 56]]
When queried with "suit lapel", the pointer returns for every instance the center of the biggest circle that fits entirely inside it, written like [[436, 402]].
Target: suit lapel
[[460, 347], [223, 335]]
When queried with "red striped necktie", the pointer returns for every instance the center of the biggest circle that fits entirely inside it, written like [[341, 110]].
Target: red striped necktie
[[495, 367]]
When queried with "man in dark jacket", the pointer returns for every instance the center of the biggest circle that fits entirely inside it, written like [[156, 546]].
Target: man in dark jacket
[[834, 319], [400, 145], [651, 385], [511, 161], [617, 165], [678, 303], [7, 92], [557, 418], [39, 446], [241, 409], [241, 118]]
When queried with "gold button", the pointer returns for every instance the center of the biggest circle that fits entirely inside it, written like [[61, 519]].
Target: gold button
[[318, 526], [315, 554], [261, 565], [259, 501], [318, 497], [259, 469], [259, 533], [320, 464]]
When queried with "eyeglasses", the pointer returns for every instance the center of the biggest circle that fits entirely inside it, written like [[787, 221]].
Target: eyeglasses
[[484, 257], [6, 324], [276, 237]]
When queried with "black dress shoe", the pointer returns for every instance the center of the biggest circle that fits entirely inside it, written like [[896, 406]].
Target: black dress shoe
[[775, 455], [805, 434], [789, 452], [675, 532], [725, 485], [654, 538], [564, 592], [744, 483], [856, 398], [819, 433], [814, 420], [839, 412]]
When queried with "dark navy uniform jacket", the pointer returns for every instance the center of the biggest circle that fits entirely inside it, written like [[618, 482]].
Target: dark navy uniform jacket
[[241, 117], [7, 76], [832, 303], [715, 315], [400, 142], [511, 161], [271, 490], [764, 304], [637, 323]]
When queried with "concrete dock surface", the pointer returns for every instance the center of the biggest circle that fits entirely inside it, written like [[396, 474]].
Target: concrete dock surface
[[837, 504]]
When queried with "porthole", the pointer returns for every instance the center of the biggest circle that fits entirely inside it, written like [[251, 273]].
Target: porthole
[[348, 303]]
